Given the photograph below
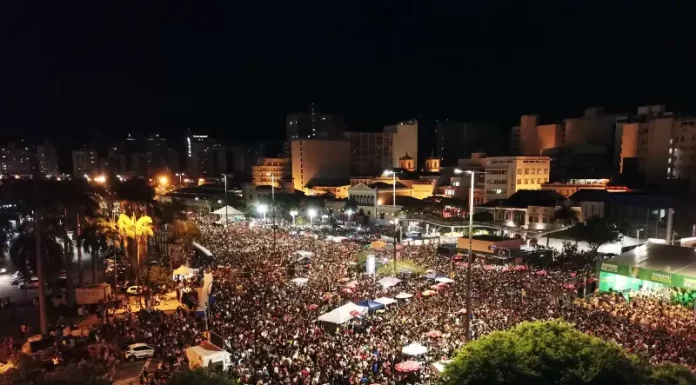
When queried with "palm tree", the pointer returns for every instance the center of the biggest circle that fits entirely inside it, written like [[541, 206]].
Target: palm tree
[[565, 216], [138, 229], [23, 253], [183, 233]]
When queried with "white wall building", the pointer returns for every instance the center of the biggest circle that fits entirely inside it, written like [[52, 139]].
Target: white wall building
[[404, 141], [505, 175]]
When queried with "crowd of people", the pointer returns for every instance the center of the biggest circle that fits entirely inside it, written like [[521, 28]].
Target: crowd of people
[[269, 322]]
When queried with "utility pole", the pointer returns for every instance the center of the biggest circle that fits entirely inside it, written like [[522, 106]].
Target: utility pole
[[39, 259], [226, 216]]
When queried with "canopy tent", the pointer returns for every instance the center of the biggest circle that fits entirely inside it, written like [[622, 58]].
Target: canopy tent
[[414, 349], [378, 245], [300, 281], [342, 314], [649, 266], [403, 295], [229, 211], [439, 367], [444, 280], [371, 305], [431, 276], [389, 281], [385, 300], [206, 355], [183, 271]]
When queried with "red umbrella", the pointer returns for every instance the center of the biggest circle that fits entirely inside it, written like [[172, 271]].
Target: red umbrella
[[569, 286], [458, 257], [355, 313], [312, 307], [408, 366], [572, 275], [520, 267], [434, 334], [541, 272]]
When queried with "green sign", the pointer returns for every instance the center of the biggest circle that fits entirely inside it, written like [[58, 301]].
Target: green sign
[[645, 274]]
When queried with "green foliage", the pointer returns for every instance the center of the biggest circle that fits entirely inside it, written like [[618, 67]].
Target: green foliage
[[543, 353], [671, 374], [158, 275], [401, 266], [199, 376], [597, 232], [27, 370], [565, 216], [23, 253], [483, 216]]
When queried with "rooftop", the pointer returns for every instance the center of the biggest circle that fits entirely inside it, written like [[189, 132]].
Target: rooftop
[[387, 186], [526, 198], [655, 256]]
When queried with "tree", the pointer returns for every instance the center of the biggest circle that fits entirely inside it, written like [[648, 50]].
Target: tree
[[199, 376], [92, 239], [483, 216], [183, 233], [134, 194], [671, 374], [550, 352], [138, 229], [23, 253], [597, 232], [158, 275], [352, 205], [565, 216], [29, 370]]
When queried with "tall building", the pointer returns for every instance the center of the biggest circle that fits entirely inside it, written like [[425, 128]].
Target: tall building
[[456, 140], [269, 171], [515, 140], [505, 175], [313, 124], [534, 138], [201, 153], [18, 159], [594, 127], [659, 146], [403, 140], [47, 158], [317, 161], [371, 152], [85, 161]]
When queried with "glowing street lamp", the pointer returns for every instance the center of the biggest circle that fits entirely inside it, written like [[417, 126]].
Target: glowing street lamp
[[163, 180], [349, 213], [100, 179], [293, 214], [393, 175], [312, 213], [262, 209]]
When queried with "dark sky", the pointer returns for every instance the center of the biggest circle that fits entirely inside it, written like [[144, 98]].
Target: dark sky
[[235, 69]]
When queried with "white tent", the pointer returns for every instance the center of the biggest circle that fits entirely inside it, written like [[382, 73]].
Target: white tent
[[300, 281], [183, 270], [229, 211], [414, 349], [341, 314], [444, 280], [403, 295], [439, 367], [385, 301], [389, 281]]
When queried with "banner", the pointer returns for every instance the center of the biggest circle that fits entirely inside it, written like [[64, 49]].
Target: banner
[[370, 265], [659, 276]]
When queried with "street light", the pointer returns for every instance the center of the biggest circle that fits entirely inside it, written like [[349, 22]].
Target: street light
[[164, 180], [393, 174], [262, 209], [226, 216], [471, 234], [293, 214], [180, 175], [312, 213], [349, 213], [100, 179], [638, 235], [273, 207]]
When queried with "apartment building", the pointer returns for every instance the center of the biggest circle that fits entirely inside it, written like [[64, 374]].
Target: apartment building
[[505, 175], [269, 171]]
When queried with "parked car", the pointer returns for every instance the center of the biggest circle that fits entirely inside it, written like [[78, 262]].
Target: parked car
[[33, 283], [138, 351], [134, 290]]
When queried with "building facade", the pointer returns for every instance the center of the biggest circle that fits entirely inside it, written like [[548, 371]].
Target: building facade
[[403, 139], [313, 124], [85, 162], [318, 161], [505, 175], [269, 171], [371, 152]]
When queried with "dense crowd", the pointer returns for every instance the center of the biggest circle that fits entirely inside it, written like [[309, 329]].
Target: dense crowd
[[271, 328]]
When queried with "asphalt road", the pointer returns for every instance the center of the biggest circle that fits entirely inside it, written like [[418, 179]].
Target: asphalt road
[[17, 294]]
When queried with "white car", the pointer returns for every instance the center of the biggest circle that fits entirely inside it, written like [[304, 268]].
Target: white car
[[134, 290], [138, 351], [33, 283]]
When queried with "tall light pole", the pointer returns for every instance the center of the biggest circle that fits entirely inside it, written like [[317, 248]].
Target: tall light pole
[[393, 174], [349, 212], [181, 174], [273, 208], [226, 216], [293, 214], [469, 257], [638, 235]]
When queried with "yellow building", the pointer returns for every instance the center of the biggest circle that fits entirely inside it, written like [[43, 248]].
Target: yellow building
[[319, 161], [269, 170]]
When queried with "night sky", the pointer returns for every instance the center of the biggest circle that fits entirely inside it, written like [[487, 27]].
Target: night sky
[[235, 69]]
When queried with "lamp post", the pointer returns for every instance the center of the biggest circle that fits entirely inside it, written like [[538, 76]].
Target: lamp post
[[226, 216], [638, 235], [180, 175], [393, 174], [469, 257], [312, 213], [349, 213], [273, 208], [293, 214]]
